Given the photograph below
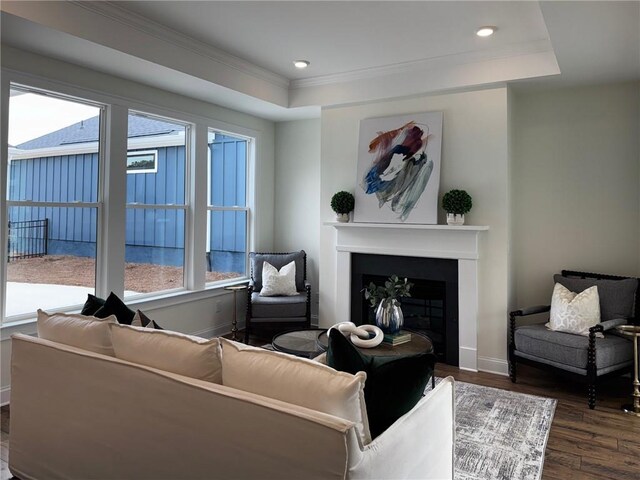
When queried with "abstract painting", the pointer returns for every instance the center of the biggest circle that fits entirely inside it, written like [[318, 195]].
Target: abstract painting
[[399, 169]]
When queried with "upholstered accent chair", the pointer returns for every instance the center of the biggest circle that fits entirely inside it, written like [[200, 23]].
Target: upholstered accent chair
[[282, 312], [588, 359]]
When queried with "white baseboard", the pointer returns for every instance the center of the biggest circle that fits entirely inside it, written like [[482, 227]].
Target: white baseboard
[[493, 365], [226, 328], [218, 330], [5, 395], [467, 359]]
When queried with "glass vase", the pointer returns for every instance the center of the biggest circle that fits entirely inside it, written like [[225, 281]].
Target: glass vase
[[389, 316]]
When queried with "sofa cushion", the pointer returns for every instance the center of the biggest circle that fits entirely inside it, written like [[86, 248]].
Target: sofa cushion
[[569, 349], [173, 352], [296, 380], [617, 297], [114, 306], [292, 306], [394, 385], [574, 312], [92, 304], [278, 260], [88, 333]]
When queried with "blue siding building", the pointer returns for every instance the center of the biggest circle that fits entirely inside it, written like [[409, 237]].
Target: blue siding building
[[63, 167]]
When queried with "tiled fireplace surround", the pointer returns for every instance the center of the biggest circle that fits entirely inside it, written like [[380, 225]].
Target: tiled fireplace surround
[[428, 241]]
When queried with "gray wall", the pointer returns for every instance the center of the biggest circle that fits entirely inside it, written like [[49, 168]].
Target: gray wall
[[576, 185], [297, 191]]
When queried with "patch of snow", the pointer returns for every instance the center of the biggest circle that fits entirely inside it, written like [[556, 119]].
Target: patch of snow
[[25, 298]]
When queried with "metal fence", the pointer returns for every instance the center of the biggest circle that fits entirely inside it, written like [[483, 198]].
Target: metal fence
[[28, 239]]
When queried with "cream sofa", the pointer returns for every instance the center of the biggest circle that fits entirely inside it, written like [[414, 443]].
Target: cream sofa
[[81, 415]]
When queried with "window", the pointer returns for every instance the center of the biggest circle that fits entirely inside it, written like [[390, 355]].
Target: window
[[53, 201], [59, 219], [227, 210], [142, 162], [156, 205]]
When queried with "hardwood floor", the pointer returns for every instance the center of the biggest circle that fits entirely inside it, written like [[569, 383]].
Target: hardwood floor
[[583, 444]]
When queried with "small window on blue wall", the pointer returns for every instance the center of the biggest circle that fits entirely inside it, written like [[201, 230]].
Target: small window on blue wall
[[144, 161]]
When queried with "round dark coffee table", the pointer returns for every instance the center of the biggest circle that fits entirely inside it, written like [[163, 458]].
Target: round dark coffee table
[[303, 343], [419, 344], [314, 341]]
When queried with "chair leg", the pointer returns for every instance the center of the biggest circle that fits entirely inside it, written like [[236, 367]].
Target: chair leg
[[592, 395], [246, 333], [512, 371], [511, 355]]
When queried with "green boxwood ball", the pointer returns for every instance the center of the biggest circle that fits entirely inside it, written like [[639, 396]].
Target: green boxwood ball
[[457, 201], [342, 202]]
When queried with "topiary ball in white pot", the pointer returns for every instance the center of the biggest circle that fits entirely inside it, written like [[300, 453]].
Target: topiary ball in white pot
[[456, 203], [342, 203]]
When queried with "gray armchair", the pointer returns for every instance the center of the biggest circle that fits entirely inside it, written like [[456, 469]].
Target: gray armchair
[[278, 312], [586, 359]]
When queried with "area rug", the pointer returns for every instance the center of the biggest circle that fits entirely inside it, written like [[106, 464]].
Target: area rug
[[500, 434]]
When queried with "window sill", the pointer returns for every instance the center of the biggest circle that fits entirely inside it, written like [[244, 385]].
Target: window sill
[[166, 299]]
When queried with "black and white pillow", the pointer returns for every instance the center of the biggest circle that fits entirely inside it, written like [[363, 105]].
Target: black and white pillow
[[141, 320]]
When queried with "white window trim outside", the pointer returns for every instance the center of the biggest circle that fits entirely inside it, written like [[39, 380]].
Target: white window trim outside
[[110, 252], [92, 147]]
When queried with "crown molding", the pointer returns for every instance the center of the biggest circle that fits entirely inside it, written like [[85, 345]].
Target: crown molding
[[441, 62], [114, 12], [438, 79]]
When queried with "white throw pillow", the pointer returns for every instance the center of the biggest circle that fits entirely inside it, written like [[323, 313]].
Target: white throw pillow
[[174, 352], [276, 282], [574, 313], [296, 380], [88, 333]]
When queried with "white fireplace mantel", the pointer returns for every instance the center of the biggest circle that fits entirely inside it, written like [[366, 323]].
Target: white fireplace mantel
[[427, 241]]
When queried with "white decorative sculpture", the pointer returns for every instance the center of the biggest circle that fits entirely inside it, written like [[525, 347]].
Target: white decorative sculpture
[[359, 336]]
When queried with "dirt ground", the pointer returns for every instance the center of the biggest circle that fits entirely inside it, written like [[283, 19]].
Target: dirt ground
[[80, 271]]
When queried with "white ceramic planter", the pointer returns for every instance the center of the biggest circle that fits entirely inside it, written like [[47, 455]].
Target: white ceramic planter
[[342, 217], [455, 219]]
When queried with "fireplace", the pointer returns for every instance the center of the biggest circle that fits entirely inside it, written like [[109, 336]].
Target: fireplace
[[432, 308], [459, 245]]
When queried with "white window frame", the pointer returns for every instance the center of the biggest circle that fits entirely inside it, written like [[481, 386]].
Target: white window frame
[[136, 153], [169, 206], [98, 205], [247, 208], [112, 189]]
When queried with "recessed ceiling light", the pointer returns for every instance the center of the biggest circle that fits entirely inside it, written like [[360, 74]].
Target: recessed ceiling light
[[486, 31], [301, 63]]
